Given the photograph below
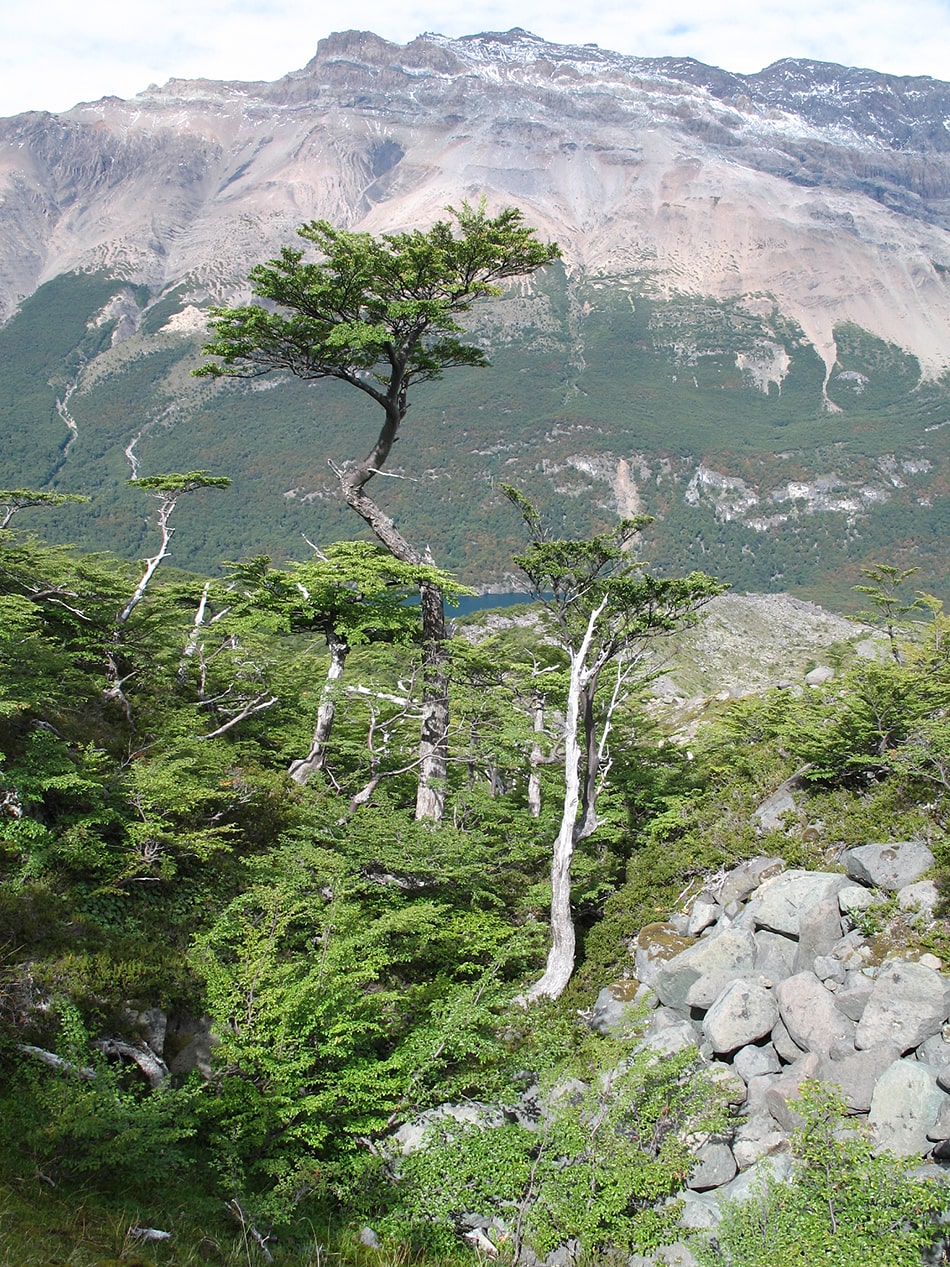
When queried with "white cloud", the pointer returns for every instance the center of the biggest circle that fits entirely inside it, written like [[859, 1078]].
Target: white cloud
[[55, 54]]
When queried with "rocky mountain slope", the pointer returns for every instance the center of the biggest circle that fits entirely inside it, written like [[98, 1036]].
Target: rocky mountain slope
[[748, 338]]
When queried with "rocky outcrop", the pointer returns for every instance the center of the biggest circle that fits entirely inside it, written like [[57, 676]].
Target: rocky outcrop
[[769, 974]]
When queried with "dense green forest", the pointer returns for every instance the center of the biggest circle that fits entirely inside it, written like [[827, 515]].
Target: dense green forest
[[584, 373], [223, 988]]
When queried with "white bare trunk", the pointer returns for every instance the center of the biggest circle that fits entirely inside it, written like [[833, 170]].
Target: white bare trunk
[[302, 769], [534, 778], [560, 964]]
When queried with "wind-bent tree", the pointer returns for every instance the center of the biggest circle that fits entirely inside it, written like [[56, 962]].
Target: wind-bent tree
[[381, 314], [13, 500], [602, 609]]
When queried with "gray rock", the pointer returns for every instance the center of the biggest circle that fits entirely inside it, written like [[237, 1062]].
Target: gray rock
[[411, 1135], [700, 1214], [941, 1127], [935, 1051], [943, 1078], [921, 896], [752, 1062], [715, 1165], [829, 969], [759, 1084], [853, 951], [727, 1082], [819, 675], [857, 1074], [369, 1238], [810, 1015], [733, 951], [751, 1182], [909, 1003], [853, 999], [775, 954], [785, 1046], [192, 1042], [616, 1010], [678, 1254], [904, 1108], [780, 903], [747, 877], [670, 1039], [704, 912], [770, 815], [889, 867], [742, 1014], [757, 1136], [853, 899], [704, 992], [653, 945], [781, 1096], [819, 931]]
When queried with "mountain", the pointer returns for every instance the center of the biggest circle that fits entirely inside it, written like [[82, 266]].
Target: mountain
[[749, 339]]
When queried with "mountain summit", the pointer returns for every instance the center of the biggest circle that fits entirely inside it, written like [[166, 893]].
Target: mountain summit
[[784, 235]]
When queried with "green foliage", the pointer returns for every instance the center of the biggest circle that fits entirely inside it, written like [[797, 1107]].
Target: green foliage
[[841, 1205], [375, 309], [608, 1147], [87, 1121]]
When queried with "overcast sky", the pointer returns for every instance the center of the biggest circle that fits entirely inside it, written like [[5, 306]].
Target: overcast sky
[[55, 53]]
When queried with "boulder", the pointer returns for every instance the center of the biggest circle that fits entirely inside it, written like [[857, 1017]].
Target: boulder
[[780, 1096], [753, 1061], [617, 1009], [830, 970], [935, 1051], [771, 1169], [810, 1015], [889, 867], [747, 877], [742, 1014], [704, 912], [726, 1082], [715, 1165], [654, 944], [921, 896], [700, 1213], [775, 954], [704, 992], [853, 899], [904, 1108], [667, 1040], [819, 931], [909, 1003], [853, 999], [857, 1074], [780, 903], [731, 951], [941, 1127], [785, 1046], [757, 1136], [770, 815]]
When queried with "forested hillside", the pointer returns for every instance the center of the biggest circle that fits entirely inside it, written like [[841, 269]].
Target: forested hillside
[[224, 986]]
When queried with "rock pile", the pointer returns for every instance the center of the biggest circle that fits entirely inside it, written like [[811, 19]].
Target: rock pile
[[770, 974]]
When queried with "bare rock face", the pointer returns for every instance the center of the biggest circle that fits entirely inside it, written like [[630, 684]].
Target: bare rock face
[[623, 159]]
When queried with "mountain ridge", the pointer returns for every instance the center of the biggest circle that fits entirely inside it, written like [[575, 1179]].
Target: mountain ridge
[[749, 338]]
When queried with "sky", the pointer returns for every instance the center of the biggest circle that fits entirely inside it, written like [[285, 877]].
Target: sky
[[55, 53]]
